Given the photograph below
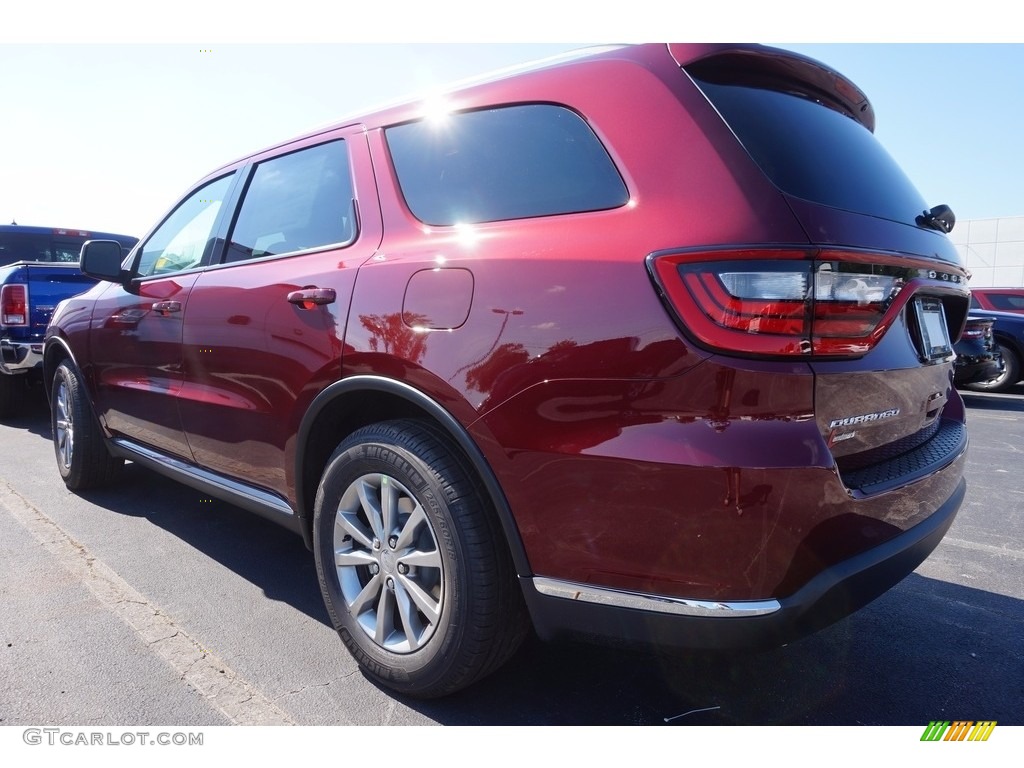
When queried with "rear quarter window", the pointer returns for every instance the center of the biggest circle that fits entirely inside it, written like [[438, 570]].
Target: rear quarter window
[[505, 163]]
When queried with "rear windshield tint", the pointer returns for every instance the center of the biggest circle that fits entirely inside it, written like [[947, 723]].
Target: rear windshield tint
[[30, 246], [506, 163], [814, 152]]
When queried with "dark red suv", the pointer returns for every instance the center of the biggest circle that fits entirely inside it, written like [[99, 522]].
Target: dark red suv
[[649, 343]]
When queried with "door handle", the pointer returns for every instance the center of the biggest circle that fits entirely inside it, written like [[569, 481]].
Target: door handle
[[165, 308], [311, 296]]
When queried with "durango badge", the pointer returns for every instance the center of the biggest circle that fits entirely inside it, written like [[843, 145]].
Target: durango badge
[[852, 421]]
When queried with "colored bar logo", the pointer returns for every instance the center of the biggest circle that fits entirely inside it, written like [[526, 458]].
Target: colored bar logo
[[958, 730]]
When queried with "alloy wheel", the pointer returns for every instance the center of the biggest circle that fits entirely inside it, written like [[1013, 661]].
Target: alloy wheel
[[388, 563], [64, 425]]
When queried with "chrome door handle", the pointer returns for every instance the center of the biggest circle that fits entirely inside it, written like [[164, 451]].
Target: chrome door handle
[[311, 296], [167, 307]]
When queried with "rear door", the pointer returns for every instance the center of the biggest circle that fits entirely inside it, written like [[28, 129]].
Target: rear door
[[264, 328]]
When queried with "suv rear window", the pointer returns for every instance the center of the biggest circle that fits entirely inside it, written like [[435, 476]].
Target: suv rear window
[[814, 152], [506, 163]]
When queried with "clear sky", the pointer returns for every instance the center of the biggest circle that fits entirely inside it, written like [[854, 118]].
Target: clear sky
[[107, 135]]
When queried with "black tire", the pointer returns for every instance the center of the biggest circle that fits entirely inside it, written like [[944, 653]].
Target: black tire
[[424, 597], [82, 456], [12, 389], [1009, 378]]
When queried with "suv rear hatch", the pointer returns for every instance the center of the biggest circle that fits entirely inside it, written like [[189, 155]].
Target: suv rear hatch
[[873, 303]]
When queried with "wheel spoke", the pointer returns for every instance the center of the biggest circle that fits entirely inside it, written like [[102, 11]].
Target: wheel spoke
[[431, 559], [370, 500], [410, 621], [384, 626], [347, 558], [366, 596], [350, 524], [388, 506], [416, 519], [430, 607], [62, 402]]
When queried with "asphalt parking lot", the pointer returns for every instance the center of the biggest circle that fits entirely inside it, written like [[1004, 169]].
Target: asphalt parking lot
[[149, 603]]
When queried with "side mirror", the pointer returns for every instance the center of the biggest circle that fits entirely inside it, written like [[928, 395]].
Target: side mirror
[[102, 260]]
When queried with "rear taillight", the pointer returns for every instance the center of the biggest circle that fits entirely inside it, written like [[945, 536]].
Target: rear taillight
[[785, 302], [14, 304], [977, 329]]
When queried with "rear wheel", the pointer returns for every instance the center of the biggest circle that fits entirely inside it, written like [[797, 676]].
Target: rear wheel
[[1009, 378], [412, 564], [82, 456]]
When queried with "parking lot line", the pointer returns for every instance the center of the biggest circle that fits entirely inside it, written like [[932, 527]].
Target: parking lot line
[[221, 686]]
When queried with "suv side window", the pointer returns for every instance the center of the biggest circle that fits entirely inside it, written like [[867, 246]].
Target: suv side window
[[506, 163], [296, 202], [186, 237]]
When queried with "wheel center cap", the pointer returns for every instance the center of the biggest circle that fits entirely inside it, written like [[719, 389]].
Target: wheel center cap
[[388, 561]]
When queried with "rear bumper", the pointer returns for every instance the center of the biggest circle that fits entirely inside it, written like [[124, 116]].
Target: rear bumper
[[565, 610], [972, 370]]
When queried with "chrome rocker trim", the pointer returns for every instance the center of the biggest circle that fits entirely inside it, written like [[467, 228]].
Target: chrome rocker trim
[[247, 497], [679, 606]]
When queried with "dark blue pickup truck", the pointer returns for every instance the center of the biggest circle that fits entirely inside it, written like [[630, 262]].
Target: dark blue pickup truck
[[38, 269]]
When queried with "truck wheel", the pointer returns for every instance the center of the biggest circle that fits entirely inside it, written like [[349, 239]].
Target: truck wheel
[[82, 456], [1009, 377], [412, 563]]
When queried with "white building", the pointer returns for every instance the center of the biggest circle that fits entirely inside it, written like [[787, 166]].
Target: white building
[[993, 250]]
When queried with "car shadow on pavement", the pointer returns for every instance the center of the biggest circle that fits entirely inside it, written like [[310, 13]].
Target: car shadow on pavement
[[33, 414], [926, 650], [263, 553]]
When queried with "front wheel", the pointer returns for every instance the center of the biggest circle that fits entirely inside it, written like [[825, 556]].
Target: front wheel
[[82, 456], [413, 568]]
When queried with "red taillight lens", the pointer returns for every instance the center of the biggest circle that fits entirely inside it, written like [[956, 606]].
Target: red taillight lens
[[14, 305], [781, 302]]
